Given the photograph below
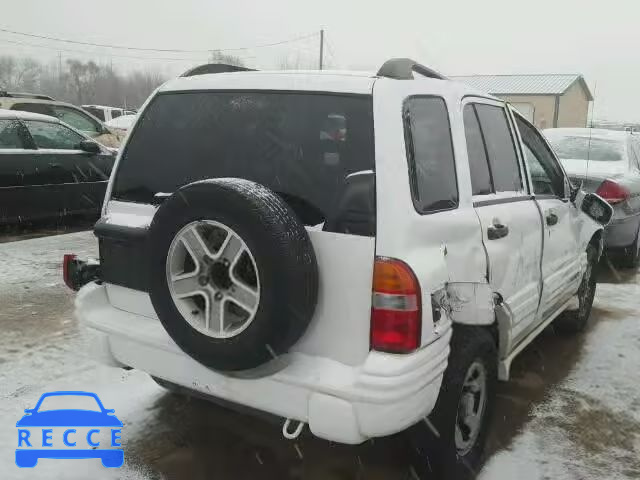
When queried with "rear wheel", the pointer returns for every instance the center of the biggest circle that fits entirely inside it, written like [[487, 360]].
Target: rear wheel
[[631, 255], [451, 440], [575, 321]]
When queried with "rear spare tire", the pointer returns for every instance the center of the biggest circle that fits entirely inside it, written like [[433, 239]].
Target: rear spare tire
[[233, 274]]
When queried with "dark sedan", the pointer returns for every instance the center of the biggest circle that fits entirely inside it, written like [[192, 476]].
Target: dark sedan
[[606, 162], [48, 169]]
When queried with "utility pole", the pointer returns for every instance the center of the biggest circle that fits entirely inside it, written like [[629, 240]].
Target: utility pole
[[321, 47]]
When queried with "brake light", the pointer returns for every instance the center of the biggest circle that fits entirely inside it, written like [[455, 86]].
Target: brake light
[[67, 262], [613, 192], [396, 313]]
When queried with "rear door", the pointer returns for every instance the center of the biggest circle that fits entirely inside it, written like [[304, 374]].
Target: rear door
[[561, 269], [510, 219], [15, 157]]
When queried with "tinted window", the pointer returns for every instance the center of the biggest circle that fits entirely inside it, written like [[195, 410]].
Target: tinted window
[[96, 112], [53, 135], [302, 146], [480, 176], [546, 175], [430, 153], [77, 119], [11, 134], [41, 108], [115, 113], [581, 148], [500, 148]]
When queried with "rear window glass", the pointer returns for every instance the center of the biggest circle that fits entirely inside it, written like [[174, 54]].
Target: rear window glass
[[305, 147], [582, 148], [430, 152]]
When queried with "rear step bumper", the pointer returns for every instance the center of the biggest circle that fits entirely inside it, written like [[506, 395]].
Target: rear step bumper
[[342, 403]]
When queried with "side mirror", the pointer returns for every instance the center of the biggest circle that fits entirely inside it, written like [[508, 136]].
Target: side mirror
[[597, 208], [89, 147]]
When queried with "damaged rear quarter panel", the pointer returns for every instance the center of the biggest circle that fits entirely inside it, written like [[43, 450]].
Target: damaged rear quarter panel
[[444, 249]]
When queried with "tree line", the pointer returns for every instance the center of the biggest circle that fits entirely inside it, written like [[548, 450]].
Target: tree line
[[78, 82]]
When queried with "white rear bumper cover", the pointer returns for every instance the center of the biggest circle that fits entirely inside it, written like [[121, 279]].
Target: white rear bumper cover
[[346, 404]]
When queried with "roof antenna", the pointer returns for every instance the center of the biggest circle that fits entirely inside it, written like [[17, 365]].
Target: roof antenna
[[593, 108]]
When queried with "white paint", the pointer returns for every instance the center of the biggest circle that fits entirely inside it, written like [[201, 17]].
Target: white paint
[[386, 392]]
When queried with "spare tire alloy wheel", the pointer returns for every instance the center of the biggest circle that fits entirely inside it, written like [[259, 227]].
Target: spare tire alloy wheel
[[233, 275], [215, 285]]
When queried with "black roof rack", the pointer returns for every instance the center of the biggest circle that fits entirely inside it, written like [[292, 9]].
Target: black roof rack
[[38, 96], [215, 68], [403, 68]]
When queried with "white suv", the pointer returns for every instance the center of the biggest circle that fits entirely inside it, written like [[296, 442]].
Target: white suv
[[356, 252]]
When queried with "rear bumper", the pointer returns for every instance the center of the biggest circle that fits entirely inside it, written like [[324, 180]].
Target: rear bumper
[[621, 232], [342, 403]]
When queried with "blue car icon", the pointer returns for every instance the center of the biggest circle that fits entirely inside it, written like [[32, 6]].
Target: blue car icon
[[68, 418]]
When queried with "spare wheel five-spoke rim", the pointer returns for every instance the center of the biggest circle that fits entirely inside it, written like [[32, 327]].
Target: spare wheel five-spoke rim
[[213, 279]]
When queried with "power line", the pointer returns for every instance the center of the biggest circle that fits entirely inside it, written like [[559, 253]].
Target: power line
[[87, 52], [165, 50]]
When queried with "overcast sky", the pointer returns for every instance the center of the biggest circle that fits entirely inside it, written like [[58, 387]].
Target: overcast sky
[[600, 39]]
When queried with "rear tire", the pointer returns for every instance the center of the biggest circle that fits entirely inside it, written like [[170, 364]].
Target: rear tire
[[631, 255], [575, 321], [449, 447]]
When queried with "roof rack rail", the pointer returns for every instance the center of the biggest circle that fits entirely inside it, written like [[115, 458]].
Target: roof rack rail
[[215, 68], [403, 68], [38, 96]]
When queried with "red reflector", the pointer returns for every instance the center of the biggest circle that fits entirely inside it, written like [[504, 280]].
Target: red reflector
[[69, 258], [395, 331], [396, 314], [612, 192]]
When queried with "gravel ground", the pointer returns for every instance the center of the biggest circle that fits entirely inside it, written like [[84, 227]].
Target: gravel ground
[[571, 411]]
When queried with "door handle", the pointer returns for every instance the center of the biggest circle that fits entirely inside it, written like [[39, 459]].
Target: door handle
[[552, 218], [497, 231]]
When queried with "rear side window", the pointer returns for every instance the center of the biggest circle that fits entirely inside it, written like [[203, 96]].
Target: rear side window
[[41, 108], [11, 134], [305, 147], [478, 163], [430, 154], [500, 148]]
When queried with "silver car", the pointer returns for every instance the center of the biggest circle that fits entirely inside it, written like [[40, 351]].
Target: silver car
[[606, 162]]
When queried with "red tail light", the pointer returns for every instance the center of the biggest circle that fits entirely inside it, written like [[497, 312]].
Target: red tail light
[[613, 192], [396, 314], [67, 262]]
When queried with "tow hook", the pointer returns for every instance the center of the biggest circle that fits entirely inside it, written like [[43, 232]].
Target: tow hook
[[288, 433]]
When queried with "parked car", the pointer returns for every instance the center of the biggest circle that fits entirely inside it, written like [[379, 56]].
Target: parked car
[[123, 123], [48, 168], [66, 112], [361, 283], [105, 113], [606, 162]]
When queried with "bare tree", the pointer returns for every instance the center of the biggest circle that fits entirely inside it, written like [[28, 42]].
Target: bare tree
[[218, 57], [79, 82]]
